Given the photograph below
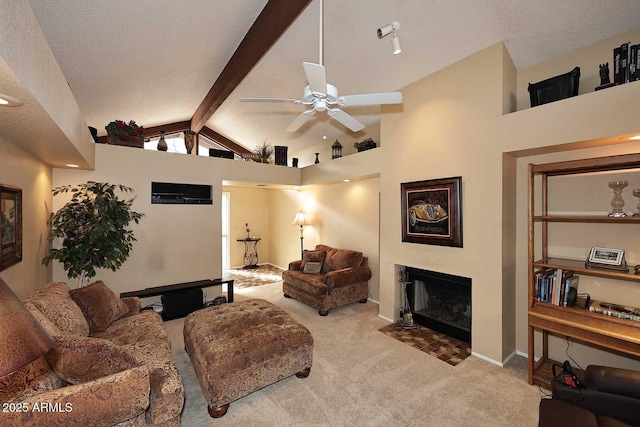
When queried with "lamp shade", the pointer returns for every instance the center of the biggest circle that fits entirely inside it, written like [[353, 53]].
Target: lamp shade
[[22, 338], [301, 219]]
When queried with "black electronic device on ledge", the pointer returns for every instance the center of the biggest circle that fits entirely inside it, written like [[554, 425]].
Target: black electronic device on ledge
[[180, 194]]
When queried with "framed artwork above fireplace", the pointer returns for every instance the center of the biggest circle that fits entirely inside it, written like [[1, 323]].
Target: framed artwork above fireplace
[[432, 212]]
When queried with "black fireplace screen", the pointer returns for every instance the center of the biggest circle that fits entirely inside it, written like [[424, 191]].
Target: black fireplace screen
[[441, 302]]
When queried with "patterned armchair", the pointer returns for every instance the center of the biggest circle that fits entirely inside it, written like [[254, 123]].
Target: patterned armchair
[[328, 278]]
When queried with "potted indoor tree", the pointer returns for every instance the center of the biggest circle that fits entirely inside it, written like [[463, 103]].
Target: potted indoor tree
[[93, 227], [264, 151]]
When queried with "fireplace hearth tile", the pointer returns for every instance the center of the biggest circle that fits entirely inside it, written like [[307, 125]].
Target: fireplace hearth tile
[[436, 344]]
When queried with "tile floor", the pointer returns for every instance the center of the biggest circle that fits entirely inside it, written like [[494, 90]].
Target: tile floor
[[436, 344]]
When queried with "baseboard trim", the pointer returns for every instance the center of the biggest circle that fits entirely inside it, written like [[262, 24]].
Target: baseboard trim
[[385, 318], [373, 301], [509, 357], [486, 359]]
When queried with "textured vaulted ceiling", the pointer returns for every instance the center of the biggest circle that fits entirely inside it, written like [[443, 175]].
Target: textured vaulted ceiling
[[154, 61]]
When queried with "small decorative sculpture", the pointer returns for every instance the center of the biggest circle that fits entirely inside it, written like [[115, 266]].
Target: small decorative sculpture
[[636, 193], [617, 203], [604, 74], [189, 140], [336, 150]]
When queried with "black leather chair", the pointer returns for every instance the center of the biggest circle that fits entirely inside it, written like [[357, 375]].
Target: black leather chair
[[610, 398]]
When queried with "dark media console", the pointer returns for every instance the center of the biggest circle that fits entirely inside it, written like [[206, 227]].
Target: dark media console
[[180, 299]]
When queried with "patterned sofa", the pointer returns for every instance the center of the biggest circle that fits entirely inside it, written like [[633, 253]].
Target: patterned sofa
[[111, 364], [340, 277]]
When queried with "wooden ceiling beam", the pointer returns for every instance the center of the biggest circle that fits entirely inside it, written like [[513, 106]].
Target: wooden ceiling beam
[[182, 126], [272, 22], [224, 141]]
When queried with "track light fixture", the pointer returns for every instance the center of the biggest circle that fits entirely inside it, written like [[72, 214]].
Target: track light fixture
[[393, 27]]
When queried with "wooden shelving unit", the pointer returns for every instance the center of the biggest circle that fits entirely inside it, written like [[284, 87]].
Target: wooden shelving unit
[[582, 325]]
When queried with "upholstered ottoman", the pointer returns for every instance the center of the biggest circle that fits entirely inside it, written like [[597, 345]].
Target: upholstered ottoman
[[242, 347]]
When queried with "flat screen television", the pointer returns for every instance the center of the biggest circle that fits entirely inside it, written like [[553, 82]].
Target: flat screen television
[[180, 194]]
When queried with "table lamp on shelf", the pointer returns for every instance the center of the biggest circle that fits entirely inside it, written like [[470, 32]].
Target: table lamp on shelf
[[22, 339], [301, 220]]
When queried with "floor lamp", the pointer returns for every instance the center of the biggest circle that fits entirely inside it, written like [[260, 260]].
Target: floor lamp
[[301, 220]]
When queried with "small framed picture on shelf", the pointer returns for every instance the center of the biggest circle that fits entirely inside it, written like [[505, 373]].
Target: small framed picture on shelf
[[606, 256]]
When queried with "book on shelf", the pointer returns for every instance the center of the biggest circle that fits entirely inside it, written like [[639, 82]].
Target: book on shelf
[[624, 63], [616, 65], [551, 285], [570, 282], [634, 63]]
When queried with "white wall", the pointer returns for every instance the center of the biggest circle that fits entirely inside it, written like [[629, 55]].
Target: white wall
[[452, 124], [22, 170], [249, 205], [307, 156], [346, 215], [343, 215], [176, 243]]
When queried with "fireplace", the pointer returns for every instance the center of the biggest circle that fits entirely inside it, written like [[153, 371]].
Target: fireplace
[[440, 301]]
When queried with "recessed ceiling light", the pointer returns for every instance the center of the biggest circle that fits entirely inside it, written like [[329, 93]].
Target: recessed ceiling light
[[324, 136], [261, 185], [7, 101], [71, 165], [635, 138], [346, 180]]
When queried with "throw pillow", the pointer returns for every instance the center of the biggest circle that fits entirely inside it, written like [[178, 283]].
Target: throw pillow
[[48, 325], [63, 312], [312, 256], [312, 267], [99, 304], [79, 359]]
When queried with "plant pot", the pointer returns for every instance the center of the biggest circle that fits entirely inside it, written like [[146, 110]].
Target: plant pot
[[133, 141]]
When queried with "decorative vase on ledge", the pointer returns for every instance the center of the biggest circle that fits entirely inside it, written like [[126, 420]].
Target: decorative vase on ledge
[[162, 144]]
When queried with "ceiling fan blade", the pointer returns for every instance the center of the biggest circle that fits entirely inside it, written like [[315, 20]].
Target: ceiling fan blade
[[317, 78], [371, 99], [345, 119], [267, 100], [300, 120]]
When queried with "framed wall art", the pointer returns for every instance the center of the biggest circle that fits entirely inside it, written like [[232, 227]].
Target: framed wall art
[[10, 226], [432, 212]]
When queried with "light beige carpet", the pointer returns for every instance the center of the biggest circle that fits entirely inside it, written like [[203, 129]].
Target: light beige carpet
[[361, 377]]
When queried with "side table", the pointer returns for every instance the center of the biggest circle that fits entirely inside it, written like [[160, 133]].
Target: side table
[[250, 259]]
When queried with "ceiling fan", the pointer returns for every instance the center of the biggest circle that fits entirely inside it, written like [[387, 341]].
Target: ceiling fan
[[322, 96]]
